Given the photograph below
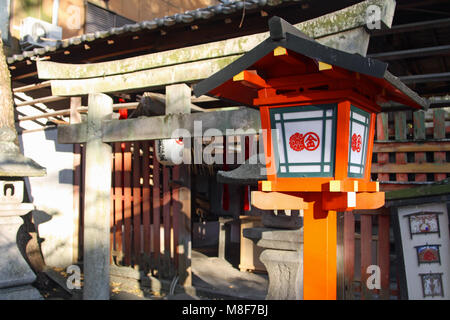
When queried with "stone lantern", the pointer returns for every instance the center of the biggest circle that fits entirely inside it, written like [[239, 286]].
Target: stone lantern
[[15, 273]]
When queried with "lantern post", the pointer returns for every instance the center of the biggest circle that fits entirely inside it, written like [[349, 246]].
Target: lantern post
[[318, 107]]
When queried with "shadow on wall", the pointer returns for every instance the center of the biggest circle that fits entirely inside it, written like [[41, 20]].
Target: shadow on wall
[[28, 242], [52, 195]]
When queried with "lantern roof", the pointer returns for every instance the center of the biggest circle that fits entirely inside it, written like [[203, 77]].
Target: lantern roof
[[289, 59]]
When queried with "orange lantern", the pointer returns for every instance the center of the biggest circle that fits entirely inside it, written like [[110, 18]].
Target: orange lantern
[[318, 106]]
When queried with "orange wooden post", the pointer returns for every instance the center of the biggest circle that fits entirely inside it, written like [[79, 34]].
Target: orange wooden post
[[319, 252]]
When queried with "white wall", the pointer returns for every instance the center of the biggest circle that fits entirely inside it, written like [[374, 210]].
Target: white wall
[[52, 194]]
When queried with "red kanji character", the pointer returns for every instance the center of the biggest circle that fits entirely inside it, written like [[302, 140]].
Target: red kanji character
[[312, 141]]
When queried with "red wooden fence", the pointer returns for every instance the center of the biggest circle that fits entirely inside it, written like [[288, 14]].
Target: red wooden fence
[[142, 209], [366, 242]]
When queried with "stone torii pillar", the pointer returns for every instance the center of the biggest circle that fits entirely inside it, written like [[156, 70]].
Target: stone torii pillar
[[98, 192], [97, 201]]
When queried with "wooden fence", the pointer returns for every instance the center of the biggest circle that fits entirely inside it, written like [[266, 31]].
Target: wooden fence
[[411, 148], [145, 209], [363, 241]]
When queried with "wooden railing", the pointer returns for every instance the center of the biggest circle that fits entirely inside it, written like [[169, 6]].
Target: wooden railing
[[411, 148]]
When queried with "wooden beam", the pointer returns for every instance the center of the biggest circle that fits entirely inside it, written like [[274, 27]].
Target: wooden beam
[[117, 106], [40, 100], [411, 168], [250, 79], [32, 87], [413, 27], [64, 112], [162, 127], [201, 99], [429, 146], [412, 53], [74, 133], [277, 201]]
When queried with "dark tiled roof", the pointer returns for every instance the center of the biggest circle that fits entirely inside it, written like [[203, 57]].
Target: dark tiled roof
[[284, 34], [226, 7]]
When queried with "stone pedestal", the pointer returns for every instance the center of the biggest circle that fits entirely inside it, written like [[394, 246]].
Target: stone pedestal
[[283, 259], [15, 273]]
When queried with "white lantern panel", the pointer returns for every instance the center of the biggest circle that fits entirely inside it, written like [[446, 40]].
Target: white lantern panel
[[359, 117], [357, 147], [359, 132], [355, 169], [304, 168], [303, 115], [328, 141], [279, 134], [304, 141]]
